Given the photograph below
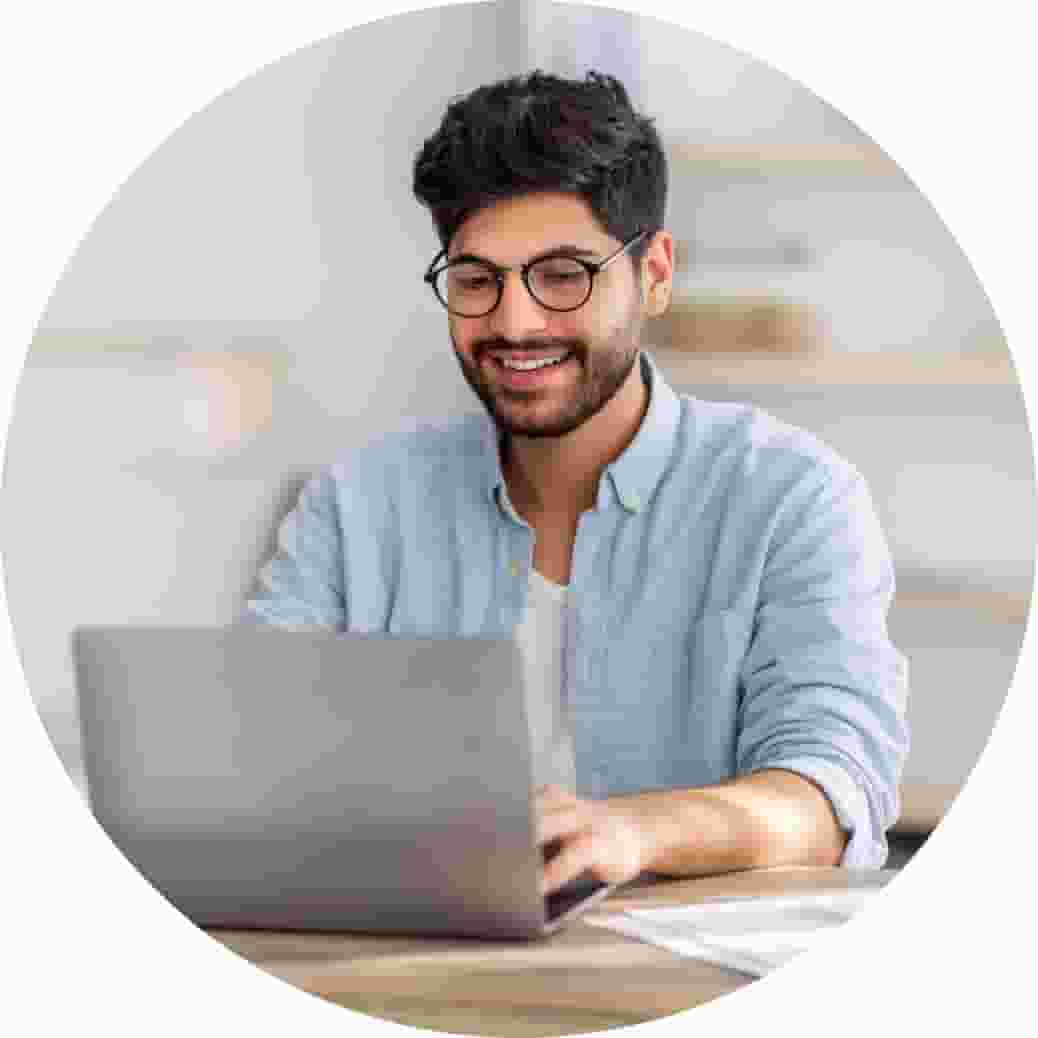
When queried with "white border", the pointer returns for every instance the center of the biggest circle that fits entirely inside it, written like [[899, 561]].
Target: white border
[[91, 89]]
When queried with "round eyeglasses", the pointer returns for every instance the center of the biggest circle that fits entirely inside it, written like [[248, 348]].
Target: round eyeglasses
[[472, 287]]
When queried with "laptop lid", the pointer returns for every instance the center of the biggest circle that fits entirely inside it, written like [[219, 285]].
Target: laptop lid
[[306, 779]]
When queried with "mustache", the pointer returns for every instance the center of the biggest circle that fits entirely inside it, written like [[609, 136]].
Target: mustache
[[481, 346]]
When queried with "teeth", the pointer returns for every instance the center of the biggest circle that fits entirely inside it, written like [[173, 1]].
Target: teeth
[[531, 365]]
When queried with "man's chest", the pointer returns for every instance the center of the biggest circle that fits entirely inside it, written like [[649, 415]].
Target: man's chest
[[654, 637], [651, 668], [642, 579]]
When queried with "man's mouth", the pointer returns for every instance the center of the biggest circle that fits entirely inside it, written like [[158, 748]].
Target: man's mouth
[[528, 371], [530, 363]]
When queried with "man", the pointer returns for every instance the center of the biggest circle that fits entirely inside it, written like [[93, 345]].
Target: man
[[699, 590]]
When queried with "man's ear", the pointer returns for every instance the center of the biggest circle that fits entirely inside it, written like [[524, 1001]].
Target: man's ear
[[657, 273]]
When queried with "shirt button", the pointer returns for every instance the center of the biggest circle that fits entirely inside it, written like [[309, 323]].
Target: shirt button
[[634, 503], [514, 569]]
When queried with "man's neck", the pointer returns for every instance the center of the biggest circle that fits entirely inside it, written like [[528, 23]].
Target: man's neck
[[558, 476]]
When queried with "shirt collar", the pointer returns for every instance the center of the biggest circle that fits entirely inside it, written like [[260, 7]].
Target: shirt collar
[[634, 475], [638, 471]]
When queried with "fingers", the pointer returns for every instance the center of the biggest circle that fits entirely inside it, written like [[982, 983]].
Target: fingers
[[575, 857], [560, 823], [557, 813], [600, 852], [562, 820], [590, 838]]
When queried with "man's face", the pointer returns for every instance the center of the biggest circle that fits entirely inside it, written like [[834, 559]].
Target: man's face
[[595, 346]]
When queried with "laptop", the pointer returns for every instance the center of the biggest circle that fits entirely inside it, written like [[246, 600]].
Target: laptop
[[310, 780]]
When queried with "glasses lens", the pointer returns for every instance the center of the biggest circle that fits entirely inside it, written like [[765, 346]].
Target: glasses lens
[[561, 284], [469, 289]]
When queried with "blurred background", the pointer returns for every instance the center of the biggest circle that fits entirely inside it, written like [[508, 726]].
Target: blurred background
[[251, 303]]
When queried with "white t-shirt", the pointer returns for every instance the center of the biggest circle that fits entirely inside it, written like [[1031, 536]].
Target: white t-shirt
[[541, 639]]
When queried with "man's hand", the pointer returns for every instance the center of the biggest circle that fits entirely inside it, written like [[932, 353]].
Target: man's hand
[[765, 819], [606, 838]]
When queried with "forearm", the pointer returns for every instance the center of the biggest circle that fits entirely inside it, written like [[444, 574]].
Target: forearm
[[761, 820]]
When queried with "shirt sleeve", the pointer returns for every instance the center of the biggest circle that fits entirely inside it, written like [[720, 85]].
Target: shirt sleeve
[[824, 690], [302, 584]]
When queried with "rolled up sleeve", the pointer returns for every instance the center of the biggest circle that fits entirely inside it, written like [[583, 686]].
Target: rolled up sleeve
[[824, 689]]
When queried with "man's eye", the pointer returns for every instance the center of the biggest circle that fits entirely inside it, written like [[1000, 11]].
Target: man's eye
[[471, 282], [558, 272]]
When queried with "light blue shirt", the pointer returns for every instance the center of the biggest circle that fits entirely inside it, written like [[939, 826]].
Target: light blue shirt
[[727, 607]]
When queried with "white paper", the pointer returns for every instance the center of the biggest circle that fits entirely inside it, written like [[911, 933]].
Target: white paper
[[752, 935]]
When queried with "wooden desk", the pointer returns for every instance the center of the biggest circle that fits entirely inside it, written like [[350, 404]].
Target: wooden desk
[[581, 979]]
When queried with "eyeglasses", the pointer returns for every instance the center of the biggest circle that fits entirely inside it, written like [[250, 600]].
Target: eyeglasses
[[473, 288]]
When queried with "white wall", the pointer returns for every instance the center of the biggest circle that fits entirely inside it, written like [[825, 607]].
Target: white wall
[[278, 222], [278, 227]]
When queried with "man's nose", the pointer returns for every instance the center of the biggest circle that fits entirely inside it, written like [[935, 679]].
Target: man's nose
[[518, 315]]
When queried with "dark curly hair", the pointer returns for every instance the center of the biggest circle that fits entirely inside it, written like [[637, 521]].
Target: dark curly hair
[[539, 132]]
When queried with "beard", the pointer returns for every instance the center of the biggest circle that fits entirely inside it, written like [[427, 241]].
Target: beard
[[603, 368]]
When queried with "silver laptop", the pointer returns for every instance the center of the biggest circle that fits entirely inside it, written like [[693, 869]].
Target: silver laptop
[[311, 780]]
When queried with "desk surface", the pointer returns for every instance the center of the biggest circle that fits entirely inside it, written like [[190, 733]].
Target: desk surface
[[581, 979]]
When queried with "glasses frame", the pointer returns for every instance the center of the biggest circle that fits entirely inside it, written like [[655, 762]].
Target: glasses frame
[[592, 267]]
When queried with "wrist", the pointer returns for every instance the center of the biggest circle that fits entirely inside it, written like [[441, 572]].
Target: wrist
[[657, 828]]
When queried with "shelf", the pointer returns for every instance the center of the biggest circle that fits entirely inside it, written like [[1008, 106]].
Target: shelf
[[831, 368], [725, 159], [162, 346], [1009, 607]]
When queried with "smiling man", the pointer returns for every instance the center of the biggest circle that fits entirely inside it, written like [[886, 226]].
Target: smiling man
[[699, 591]]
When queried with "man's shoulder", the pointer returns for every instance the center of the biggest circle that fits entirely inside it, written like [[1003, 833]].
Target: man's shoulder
[[761, 443]]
